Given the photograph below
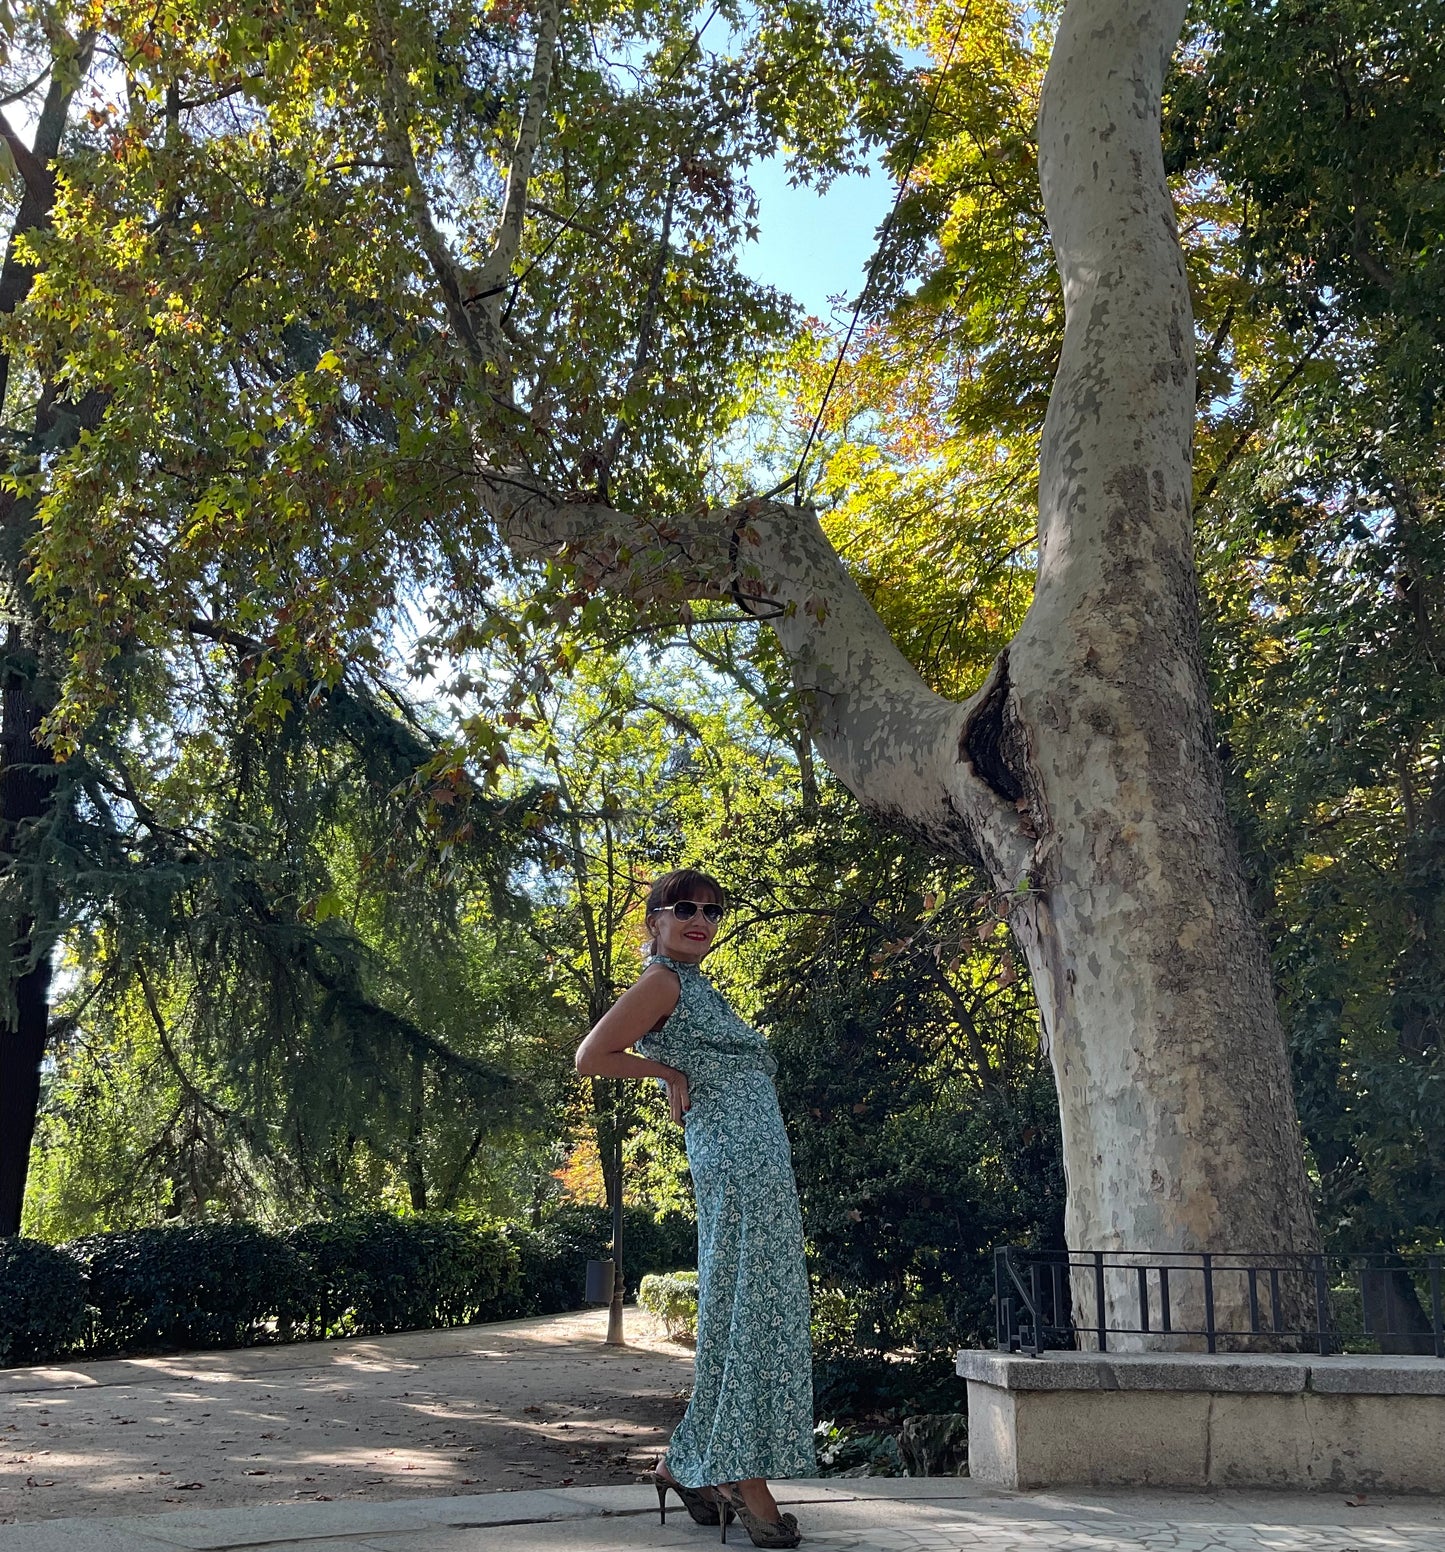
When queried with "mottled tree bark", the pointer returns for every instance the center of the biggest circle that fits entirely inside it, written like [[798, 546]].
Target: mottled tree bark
[[1174, 1087]]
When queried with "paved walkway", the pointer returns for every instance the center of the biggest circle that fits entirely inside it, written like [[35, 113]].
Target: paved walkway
[[406, 1444], [877, 1515], [525, 1403]]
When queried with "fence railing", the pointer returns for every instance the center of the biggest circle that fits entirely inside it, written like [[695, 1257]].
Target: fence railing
[[1331, 1303]]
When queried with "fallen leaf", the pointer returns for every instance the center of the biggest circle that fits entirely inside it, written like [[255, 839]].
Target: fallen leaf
[[188, 1487], [1356, 1501]]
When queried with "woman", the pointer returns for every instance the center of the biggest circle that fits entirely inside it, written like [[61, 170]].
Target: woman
[[751, 1413]]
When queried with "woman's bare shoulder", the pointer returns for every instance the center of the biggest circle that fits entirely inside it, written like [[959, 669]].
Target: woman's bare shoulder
[[659, 985]]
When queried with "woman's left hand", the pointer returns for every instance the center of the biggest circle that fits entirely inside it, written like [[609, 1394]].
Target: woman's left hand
[[677, 1096]]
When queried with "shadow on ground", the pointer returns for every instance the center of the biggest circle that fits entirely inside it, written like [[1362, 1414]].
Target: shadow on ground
[[520, 1404]]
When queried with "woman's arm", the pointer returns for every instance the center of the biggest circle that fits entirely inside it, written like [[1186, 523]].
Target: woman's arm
[[605, 1054]]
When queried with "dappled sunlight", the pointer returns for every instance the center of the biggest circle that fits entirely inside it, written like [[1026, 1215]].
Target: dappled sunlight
[[543, 1404]]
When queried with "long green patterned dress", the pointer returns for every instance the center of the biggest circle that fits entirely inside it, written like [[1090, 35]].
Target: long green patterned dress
[[751, 1413]]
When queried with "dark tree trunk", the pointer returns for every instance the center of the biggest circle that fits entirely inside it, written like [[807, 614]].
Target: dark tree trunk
[[415, 1163], [27, 771], [27, 783]]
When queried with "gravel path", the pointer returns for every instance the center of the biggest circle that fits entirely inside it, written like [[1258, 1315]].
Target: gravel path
[[519, 1404]]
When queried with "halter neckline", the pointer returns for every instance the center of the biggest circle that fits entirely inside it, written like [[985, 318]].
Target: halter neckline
[[677, 964]]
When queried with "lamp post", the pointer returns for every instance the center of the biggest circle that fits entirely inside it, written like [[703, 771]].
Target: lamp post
[[614, 1311]]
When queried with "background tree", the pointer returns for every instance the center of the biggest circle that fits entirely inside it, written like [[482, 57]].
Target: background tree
[[1322, 555]]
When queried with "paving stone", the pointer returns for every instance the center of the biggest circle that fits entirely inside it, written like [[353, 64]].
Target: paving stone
[[900, 1519], [279, 1525], [79, 1536]]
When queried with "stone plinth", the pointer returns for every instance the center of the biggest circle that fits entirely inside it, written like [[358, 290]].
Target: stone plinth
[[1350, 1423]]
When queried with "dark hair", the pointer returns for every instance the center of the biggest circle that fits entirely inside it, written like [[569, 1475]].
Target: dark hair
[[681, 884]]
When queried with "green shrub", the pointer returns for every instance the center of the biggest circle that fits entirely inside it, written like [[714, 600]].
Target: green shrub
[[852, 1452], [202, 1285], [42, 1302], [372, 1273], [229, 1285], [672, 1298], [874, 1389], [552, 1269]]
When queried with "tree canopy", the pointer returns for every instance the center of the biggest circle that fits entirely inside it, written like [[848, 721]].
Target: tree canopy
[[353, 802]]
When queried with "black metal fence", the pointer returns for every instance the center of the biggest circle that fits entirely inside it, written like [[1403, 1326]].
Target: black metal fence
[[1330, 1303]]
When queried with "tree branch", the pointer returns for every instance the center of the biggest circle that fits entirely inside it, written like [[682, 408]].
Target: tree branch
[[903, 750], [33, 165], [491, 278], [1251, 425], [473, 297], [36, 176], [450, 277]]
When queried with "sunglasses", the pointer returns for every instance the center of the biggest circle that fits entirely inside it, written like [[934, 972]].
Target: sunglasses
[[685, 910]]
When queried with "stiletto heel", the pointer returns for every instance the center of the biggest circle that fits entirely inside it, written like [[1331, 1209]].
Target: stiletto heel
[[704, 1510], [782, 1532]]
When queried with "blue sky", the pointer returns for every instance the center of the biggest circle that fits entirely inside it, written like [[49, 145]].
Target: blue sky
[[812, 245]]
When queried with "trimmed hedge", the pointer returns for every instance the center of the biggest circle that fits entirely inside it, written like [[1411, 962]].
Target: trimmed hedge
[[201, 1285], [375, 1273], [231, 1284], [42, 1302]]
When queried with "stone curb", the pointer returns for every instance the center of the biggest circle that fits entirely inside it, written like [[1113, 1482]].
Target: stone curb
[[1221, 1373]]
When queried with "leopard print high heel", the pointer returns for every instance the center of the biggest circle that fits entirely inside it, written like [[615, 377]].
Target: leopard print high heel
[[782, 1532], [702, 1508]]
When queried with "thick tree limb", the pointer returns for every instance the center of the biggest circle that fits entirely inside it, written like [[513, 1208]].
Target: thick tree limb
[[491, 278], [473, 297], [902, 749]]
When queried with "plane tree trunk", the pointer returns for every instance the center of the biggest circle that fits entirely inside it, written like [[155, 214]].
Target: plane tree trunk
[[1175, 1094]]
